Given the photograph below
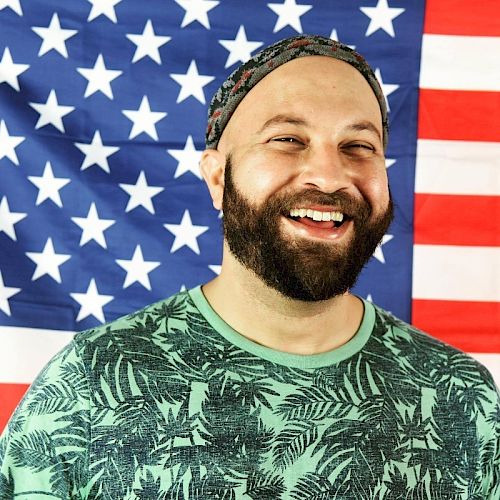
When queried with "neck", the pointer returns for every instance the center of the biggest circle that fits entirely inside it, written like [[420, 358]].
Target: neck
[[265, 316]]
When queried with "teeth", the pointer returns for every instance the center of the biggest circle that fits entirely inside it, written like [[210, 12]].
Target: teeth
[[317, 215]]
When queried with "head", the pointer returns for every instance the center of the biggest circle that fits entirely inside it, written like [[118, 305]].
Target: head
[[305, 141]]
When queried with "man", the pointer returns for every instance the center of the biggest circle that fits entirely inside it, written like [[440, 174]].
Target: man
[[272, 381]]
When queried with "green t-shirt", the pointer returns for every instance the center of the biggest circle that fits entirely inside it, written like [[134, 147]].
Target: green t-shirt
[[171, 403]]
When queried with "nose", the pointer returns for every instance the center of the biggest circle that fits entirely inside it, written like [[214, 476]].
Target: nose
[[325, 169]]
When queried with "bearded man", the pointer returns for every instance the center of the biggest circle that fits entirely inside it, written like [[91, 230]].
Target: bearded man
[[272, 381]]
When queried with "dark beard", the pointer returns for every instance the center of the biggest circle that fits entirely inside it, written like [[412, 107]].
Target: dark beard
[[298, 269]]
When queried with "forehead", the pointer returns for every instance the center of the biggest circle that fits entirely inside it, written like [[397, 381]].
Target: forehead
[[312, 84], [303, 68]]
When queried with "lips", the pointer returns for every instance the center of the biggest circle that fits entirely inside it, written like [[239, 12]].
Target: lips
[[317, 215], [313, 223], [318, 218], [309, 228]]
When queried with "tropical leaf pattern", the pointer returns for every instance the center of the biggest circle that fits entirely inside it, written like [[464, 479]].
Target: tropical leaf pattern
[[162, 404]]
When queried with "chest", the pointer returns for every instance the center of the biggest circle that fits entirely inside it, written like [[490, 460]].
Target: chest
[[250, 437]]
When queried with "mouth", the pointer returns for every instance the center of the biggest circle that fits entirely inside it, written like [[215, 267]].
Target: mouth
[[320, 223], [321, 219]]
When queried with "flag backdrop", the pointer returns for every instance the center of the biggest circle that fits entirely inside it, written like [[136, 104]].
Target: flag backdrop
[[102, 117]]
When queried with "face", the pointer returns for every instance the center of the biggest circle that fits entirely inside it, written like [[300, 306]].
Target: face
[[305, 198], [302, 269]]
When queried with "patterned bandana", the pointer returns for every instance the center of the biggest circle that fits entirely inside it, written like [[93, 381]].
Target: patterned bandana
[[244, 78]]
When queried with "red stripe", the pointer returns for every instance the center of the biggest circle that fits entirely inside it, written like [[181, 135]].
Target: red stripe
[[457, 220], [462, 17], [10, 395], [459, 115], [470, 326]]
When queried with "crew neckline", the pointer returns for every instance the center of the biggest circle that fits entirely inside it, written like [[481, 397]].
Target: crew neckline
[[321, 360]]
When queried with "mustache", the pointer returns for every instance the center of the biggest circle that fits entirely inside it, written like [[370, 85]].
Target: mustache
[[344, 202]]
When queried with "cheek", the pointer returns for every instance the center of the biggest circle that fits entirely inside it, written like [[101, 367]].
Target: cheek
[[262, 177], [375, 188]]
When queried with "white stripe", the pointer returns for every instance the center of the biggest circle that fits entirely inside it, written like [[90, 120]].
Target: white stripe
[[456, 273], [460, 62], [492, 362], [458, 167], [25, 351]]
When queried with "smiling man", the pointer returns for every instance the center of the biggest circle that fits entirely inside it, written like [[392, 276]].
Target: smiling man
[[272, 381], [299, 172]]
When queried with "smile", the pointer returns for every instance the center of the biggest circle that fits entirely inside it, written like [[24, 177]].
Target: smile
[[317, 215], [322, 224]]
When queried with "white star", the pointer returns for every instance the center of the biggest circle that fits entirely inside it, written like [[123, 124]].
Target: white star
[[148, 43], [96, 153], [289, 14], [335, 36], [91, 302], [48, 186], [8, 143], [389, 162], [137, 269], [387, 88], [15, 5], [240, 49], [188, 159], [369, 297], [381, 17], [191, 83], [93, 227], [47, 262], [9, 70], [8, 219], [215, 268], [51, 112], [6, 292], [103, 7], [53, 37], [99, 78], [197, 10], [141, 194], [144, 119], [185, 233], [379, 253]]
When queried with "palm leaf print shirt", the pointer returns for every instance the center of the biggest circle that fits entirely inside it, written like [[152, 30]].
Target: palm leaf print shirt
[[171, 403]]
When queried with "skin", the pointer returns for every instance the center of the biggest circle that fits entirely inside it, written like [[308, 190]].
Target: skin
[[313, 123]]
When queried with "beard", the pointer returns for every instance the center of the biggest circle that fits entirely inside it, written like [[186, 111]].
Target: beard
[[297, 268]]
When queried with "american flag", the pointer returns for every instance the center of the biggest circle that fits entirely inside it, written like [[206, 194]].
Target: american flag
[[102, 117]]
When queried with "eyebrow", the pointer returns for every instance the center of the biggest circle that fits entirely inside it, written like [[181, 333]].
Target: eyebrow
[[365, 125], [294, 120], [278, 119]]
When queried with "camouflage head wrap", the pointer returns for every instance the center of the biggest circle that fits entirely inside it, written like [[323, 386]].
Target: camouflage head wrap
[[244, 78]]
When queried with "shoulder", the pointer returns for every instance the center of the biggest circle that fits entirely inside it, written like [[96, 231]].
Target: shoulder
[[49, 429], [140, 327], [433, 360]]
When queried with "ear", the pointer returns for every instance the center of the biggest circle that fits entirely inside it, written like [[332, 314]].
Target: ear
[[212, 166]]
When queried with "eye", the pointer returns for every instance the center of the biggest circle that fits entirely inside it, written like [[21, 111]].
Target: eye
[[286, 139], [360, 149], [361, 146], [288, 143]]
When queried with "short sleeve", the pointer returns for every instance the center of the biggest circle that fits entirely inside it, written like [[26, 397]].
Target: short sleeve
[[490, 440], [495, 468], [44, 448]]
